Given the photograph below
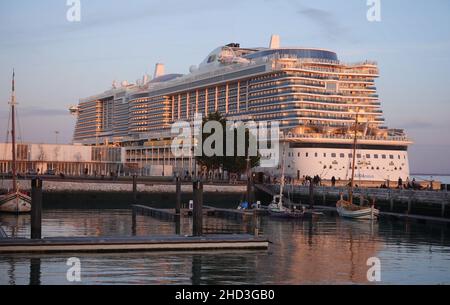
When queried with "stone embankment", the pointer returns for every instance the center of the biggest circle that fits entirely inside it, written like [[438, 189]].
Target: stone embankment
[[90, 186]]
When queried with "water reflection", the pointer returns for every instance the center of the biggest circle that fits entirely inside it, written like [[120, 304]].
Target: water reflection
[[328, 250], [35, 271]]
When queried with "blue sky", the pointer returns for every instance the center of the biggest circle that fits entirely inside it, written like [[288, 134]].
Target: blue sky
[[57, 62]]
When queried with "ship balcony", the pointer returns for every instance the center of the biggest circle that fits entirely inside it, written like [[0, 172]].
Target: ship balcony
[[325, 137]]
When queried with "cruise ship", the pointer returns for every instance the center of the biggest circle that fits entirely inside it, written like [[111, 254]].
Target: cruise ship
[[315, 97]]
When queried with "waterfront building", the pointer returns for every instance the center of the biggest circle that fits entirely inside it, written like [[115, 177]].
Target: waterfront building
[[72, 160], [313, 95]]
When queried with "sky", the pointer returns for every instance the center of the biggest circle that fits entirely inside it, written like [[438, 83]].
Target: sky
[[58, 62]]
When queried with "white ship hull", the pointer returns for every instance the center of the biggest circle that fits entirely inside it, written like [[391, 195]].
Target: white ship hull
[[373, 165], [15, 203]]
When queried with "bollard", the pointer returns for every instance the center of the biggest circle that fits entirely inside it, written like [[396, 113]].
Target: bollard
[[409, 205], [134, 189], [178, 196], [443, 209], [197, 228], [36, 209]]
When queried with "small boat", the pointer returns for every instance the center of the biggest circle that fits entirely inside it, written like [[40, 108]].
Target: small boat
[[347, 209], [276, 208], [14, 201]]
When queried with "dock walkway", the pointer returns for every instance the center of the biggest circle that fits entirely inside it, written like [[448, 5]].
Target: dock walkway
[[132, 244]]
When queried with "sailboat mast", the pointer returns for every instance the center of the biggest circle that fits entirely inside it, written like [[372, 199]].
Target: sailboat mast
[[13, 133], [352, 182], [280, 204]]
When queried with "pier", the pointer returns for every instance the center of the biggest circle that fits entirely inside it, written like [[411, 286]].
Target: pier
[[131, 244], [177, 242], [427, 206], [166, 214]]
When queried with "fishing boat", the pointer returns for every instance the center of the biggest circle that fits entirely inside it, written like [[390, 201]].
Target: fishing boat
[[346, 208], [14, 201]]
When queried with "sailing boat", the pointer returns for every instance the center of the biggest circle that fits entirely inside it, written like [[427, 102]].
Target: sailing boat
[[276, 208], [347, 209], [15, 201]]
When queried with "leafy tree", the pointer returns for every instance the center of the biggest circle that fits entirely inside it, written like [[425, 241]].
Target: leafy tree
[[233, 164]]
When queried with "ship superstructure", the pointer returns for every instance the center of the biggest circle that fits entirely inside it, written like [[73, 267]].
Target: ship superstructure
[[313, 95]]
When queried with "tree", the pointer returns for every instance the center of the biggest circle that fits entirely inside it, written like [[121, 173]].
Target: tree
[[234, 164]]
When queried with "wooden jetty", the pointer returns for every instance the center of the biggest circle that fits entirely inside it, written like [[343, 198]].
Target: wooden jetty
[[407, 202], [170, 215], [178, 242], [166, 214], [433, 197], [132, 244], [234, 213]]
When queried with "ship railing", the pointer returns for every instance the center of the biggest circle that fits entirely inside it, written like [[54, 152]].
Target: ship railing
[[343, 137], [299, 64], [217, 72]]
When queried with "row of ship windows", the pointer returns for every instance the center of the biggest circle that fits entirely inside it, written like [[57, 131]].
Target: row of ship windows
[[342, 155], [360, 168]]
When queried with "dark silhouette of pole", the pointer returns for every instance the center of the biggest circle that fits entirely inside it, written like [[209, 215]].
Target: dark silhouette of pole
[[134, 189], [178, 196], [133, 221], [311, 194], [178, 224], [36, 209], [197, 228]]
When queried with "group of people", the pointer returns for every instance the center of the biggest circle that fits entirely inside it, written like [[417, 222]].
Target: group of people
[[410, 185], [316, 180]]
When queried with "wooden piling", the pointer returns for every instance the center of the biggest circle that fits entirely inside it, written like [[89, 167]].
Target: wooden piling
[[391, 201], [178, 196], [198, 209], [36, 209], [249, 190], [178, 224], [134, 189], [311, 194], [256, 223], [133, 221]]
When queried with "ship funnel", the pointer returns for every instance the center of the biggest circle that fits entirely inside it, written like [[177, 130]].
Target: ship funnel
[[159, 70], [275, 42]]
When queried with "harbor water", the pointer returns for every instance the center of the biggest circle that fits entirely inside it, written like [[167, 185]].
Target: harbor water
[[327, 250]]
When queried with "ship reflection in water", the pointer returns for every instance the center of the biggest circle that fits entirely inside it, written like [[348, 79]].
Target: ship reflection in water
[[325, 251]]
